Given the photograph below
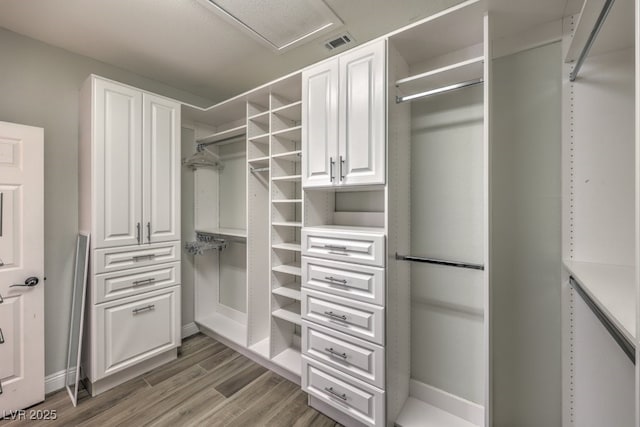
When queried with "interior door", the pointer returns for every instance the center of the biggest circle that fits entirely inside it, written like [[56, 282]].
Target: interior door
[[22, 264], [161, 168]]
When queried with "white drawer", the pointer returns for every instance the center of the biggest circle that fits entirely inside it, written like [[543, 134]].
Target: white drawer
[[355, 398], [351, 317], [134, 329], [120, 258], [344, 245], [124, 283], [360, 282], [359, 358]]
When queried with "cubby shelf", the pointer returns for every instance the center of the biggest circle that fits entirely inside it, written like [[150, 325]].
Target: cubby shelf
[[262, 117], [287, 201], [259, 161], [296, 247], [290, 313], [292, 269], [292, 156], [293, 133], [287, 224], [290, 360], [288, 291], [261, 139], [293, 178], [224, 134]]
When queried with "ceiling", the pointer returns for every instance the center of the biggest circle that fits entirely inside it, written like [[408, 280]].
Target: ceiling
[[183, 44]]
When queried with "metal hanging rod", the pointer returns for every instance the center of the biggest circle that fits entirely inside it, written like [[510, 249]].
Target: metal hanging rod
[[254, 170], [439, 262], [624, 343], [206, 143], [592, 38], [450, 88]]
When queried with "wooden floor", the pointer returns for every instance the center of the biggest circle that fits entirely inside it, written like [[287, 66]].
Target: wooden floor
[[208, 385]]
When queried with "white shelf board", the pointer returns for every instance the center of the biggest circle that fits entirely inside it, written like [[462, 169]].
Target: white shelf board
[[259, 161], [617, 31], [289, 269], [294, 178], [261, 348], [416, 413], [291, 111], [296, 247], [218, 136], [287, 201], [293, 133], [290, 313], [226, 327], [262, 117], [231, 232], [289, 359], [346, 229], [290, 291], [287, 224], [445, 76], [612, 288], [260, 139], [292, 156]]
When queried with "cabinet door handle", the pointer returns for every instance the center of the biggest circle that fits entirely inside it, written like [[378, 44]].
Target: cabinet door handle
[[144, 282], [335, 316], [332, 392], [137, 258], [1, 299], [149, 232], [335, 353], [338, 248], [331, 163], [334, 280], [1, 337], [341, 166], [138, 232], [143, 309]]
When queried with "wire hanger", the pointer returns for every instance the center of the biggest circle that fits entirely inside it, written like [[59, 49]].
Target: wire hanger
[[203, 157]]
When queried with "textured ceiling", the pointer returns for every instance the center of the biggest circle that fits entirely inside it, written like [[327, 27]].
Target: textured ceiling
[[183, 44]]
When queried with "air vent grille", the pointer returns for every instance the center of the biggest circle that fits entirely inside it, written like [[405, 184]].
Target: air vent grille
[[339, 41]]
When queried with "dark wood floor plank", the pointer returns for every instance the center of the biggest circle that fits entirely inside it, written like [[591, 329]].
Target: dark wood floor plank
[[197, 405], [237, 382], [313, 418], [290, 411], [218, 358], [193, 344]]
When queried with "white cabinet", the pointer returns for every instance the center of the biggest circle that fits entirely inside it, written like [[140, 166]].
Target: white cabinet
[[136, 161], [129, 174], [343, 125]]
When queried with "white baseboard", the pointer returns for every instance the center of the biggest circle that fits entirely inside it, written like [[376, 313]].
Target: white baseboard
[[448, 402], [189, 329]]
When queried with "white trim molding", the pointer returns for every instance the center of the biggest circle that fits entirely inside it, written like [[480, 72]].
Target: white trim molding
[[189, 329]]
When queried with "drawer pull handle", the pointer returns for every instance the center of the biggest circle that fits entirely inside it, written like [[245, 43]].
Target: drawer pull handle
[[142, 257], [143, 309], [338, 248], [1, 337], [335, 353], [335, 316], [144, 282], [334, 280], [331, 391]]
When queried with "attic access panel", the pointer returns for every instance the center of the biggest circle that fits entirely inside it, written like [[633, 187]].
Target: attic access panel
[[280, 24]]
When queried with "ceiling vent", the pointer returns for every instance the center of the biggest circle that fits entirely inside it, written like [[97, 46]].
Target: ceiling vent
[[338, 42], [279, 24]]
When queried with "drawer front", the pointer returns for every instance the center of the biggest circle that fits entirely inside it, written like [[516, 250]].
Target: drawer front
[[356, 357], [361, 401], [134, 329], [120, 258], [135, 281], [361, 248], [351, 317], [360, 282]]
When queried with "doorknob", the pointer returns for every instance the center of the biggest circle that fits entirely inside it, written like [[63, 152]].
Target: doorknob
[[29, 283]]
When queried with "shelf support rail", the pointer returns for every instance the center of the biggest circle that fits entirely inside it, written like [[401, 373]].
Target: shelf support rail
[[624, 343], [439, 262], [437, 91], [591, 39]]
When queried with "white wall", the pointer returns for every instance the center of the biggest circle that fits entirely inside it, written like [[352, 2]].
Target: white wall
[[526, 241], [39, 86]]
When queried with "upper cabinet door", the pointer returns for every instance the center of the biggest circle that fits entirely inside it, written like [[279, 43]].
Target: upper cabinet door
[[320, 125], [161, 166], [117, 133], [362, 116]]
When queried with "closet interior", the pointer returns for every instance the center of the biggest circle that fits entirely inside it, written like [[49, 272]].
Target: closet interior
[[600, 231]]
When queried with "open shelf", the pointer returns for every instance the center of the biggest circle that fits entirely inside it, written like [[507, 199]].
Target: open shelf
[[261, 348], [292, 111], [290, 360], [612, 288], [262, 117], [451, 74], [226, 327], [259, 162], [225, 134], [288, 291], [261, 139], [287, 201], [292, 269], [290, 313], [416, 413], [293, 133], [292, 178], [292, 156], [296, 247], [230, 232], [287, 224]]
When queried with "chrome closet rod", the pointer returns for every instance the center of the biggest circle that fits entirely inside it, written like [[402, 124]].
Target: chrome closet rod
[[592, 38], [624, 343], [439, 262], [220, 141], [461, 85]]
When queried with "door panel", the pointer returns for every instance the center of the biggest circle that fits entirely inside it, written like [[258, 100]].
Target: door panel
[[320, 124], [118, 159], [161, 167], [362, 116], [21, 256]]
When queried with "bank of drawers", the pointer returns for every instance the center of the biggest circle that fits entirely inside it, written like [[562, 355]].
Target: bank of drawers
[[343, 320]]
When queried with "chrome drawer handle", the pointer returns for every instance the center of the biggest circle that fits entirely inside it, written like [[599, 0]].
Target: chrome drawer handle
[[137, 258], [333, 279], [143, 309], [335, 353], [144, 282], [1, 337], [331, 391], [1, 300], [339, 248], [335, 316]]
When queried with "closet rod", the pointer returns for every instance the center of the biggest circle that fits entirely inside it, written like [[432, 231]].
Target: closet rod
[[591, 39], [461, 85], [624, 343], [439, 262], [220, 141], [254, 170]]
